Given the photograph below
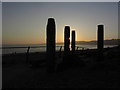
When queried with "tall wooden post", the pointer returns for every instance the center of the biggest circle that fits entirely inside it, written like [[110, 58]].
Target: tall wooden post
[[119, 26], [51, 29], [73, 41], [100, 42], [66, 40]]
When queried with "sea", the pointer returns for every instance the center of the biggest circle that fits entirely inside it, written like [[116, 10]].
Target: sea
[[10, 49]]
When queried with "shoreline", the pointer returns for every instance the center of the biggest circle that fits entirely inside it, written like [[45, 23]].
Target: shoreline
[[84, 49], [39, 49], [41, 56]]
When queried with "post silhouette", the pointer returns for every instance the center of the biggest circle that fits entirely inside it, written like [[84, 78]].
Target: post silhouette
[[66, 40], [51, 29], [119, 24], [100, 41], [73, 42], [60, 52], [27, 55]]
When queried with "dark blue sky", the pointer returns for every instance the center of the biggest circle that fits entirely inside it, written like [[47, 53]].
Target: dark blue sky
[[25, 23]]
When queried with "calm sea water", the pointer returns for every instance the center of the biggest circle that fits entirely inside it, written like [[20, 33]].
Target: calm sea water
[[41, 48]]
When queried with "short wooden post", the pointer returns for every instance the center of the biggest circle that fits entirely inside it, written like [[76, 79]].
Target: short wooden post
[[73, 42], [66, 40], [100, 41], [60, 52], [27, 55]]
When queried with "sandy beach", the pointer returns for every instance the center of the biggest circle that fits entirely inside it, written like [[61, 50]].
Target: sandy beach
[[16, 73]]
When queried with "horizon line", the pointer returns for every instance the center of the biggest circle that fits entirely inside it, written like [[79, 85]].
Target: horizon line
[[56, 42]]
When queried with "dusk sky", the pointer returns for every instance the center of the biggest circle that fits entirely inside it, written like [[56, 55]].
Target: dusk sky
[[25, 23]]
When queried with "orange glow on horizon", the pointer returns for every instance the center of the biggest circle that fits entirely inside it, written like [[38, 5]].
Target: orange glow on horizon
[[33, 42]]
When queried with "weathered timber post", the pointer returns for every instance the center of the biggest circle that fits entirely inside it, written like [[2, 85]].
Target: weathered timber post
[[66, 40], [27, 55], [100, 41], [51, 29], [73, 42], [119, 24], [60, 52]]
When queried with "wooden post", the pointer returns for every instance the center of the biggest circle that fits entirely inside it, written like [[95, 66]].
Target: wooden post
[[60, 52], [51, 45], [66, 40], [27, 55], [73, 42], [100, 42], [119, 26]]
